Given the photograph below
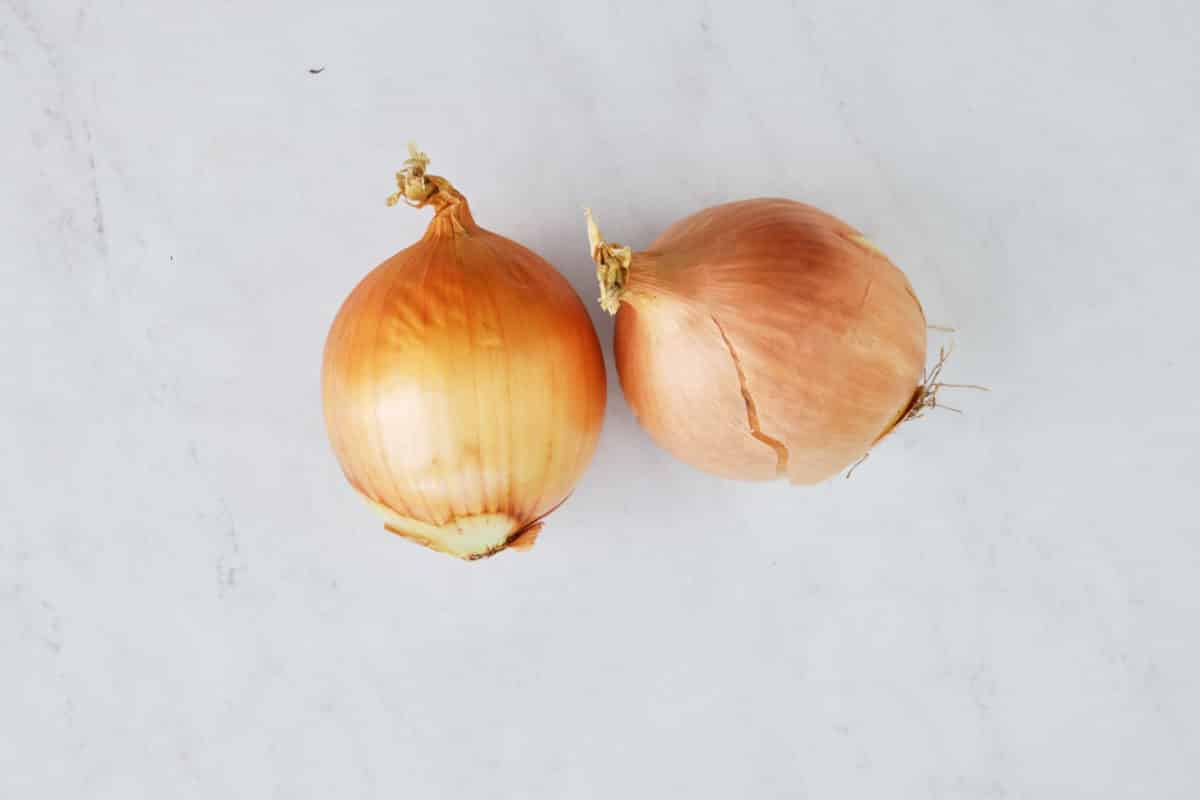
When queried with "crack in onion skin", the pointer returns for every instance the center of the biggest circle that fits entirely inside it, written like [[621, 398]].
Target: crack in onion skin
[[817, 333], [463, 387]]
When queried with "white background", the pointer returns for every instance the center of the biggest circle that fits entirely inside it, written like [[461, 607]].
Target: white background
[[194, 604]]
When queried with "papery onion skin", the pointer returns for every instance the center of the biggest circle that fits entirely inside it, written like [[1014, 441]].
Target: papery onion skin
[[463, 386], [763, 339]]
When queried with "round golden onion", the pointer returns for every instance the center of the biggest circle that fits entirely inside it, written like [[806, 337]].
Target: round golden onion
[[463, 383], [763, 339]]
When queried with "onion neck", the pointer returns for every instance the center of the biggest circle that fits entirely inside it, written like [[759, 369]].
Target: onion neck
[[634, 278], [612, 266], [418, 189]]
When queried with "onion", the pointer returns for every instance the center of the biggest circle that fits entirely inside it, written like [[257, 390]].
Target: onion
[[463, 383], [764, 339]]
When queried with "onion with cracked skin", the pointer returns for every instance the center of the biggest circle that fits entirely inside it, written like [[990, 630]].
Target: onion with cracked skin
[[763, 339]]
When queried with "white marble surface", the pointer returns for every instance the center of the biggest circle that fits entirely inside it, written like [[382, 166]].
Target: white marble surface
[[195, 605]]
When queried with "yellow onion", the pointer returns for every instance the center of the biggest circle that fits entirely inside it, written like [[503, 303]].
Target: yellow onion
[[463, 383], [764, 339]]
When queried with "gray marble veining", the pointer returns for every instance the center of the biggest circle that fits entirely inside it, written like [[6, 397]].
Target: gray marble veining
[[997, 605]]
